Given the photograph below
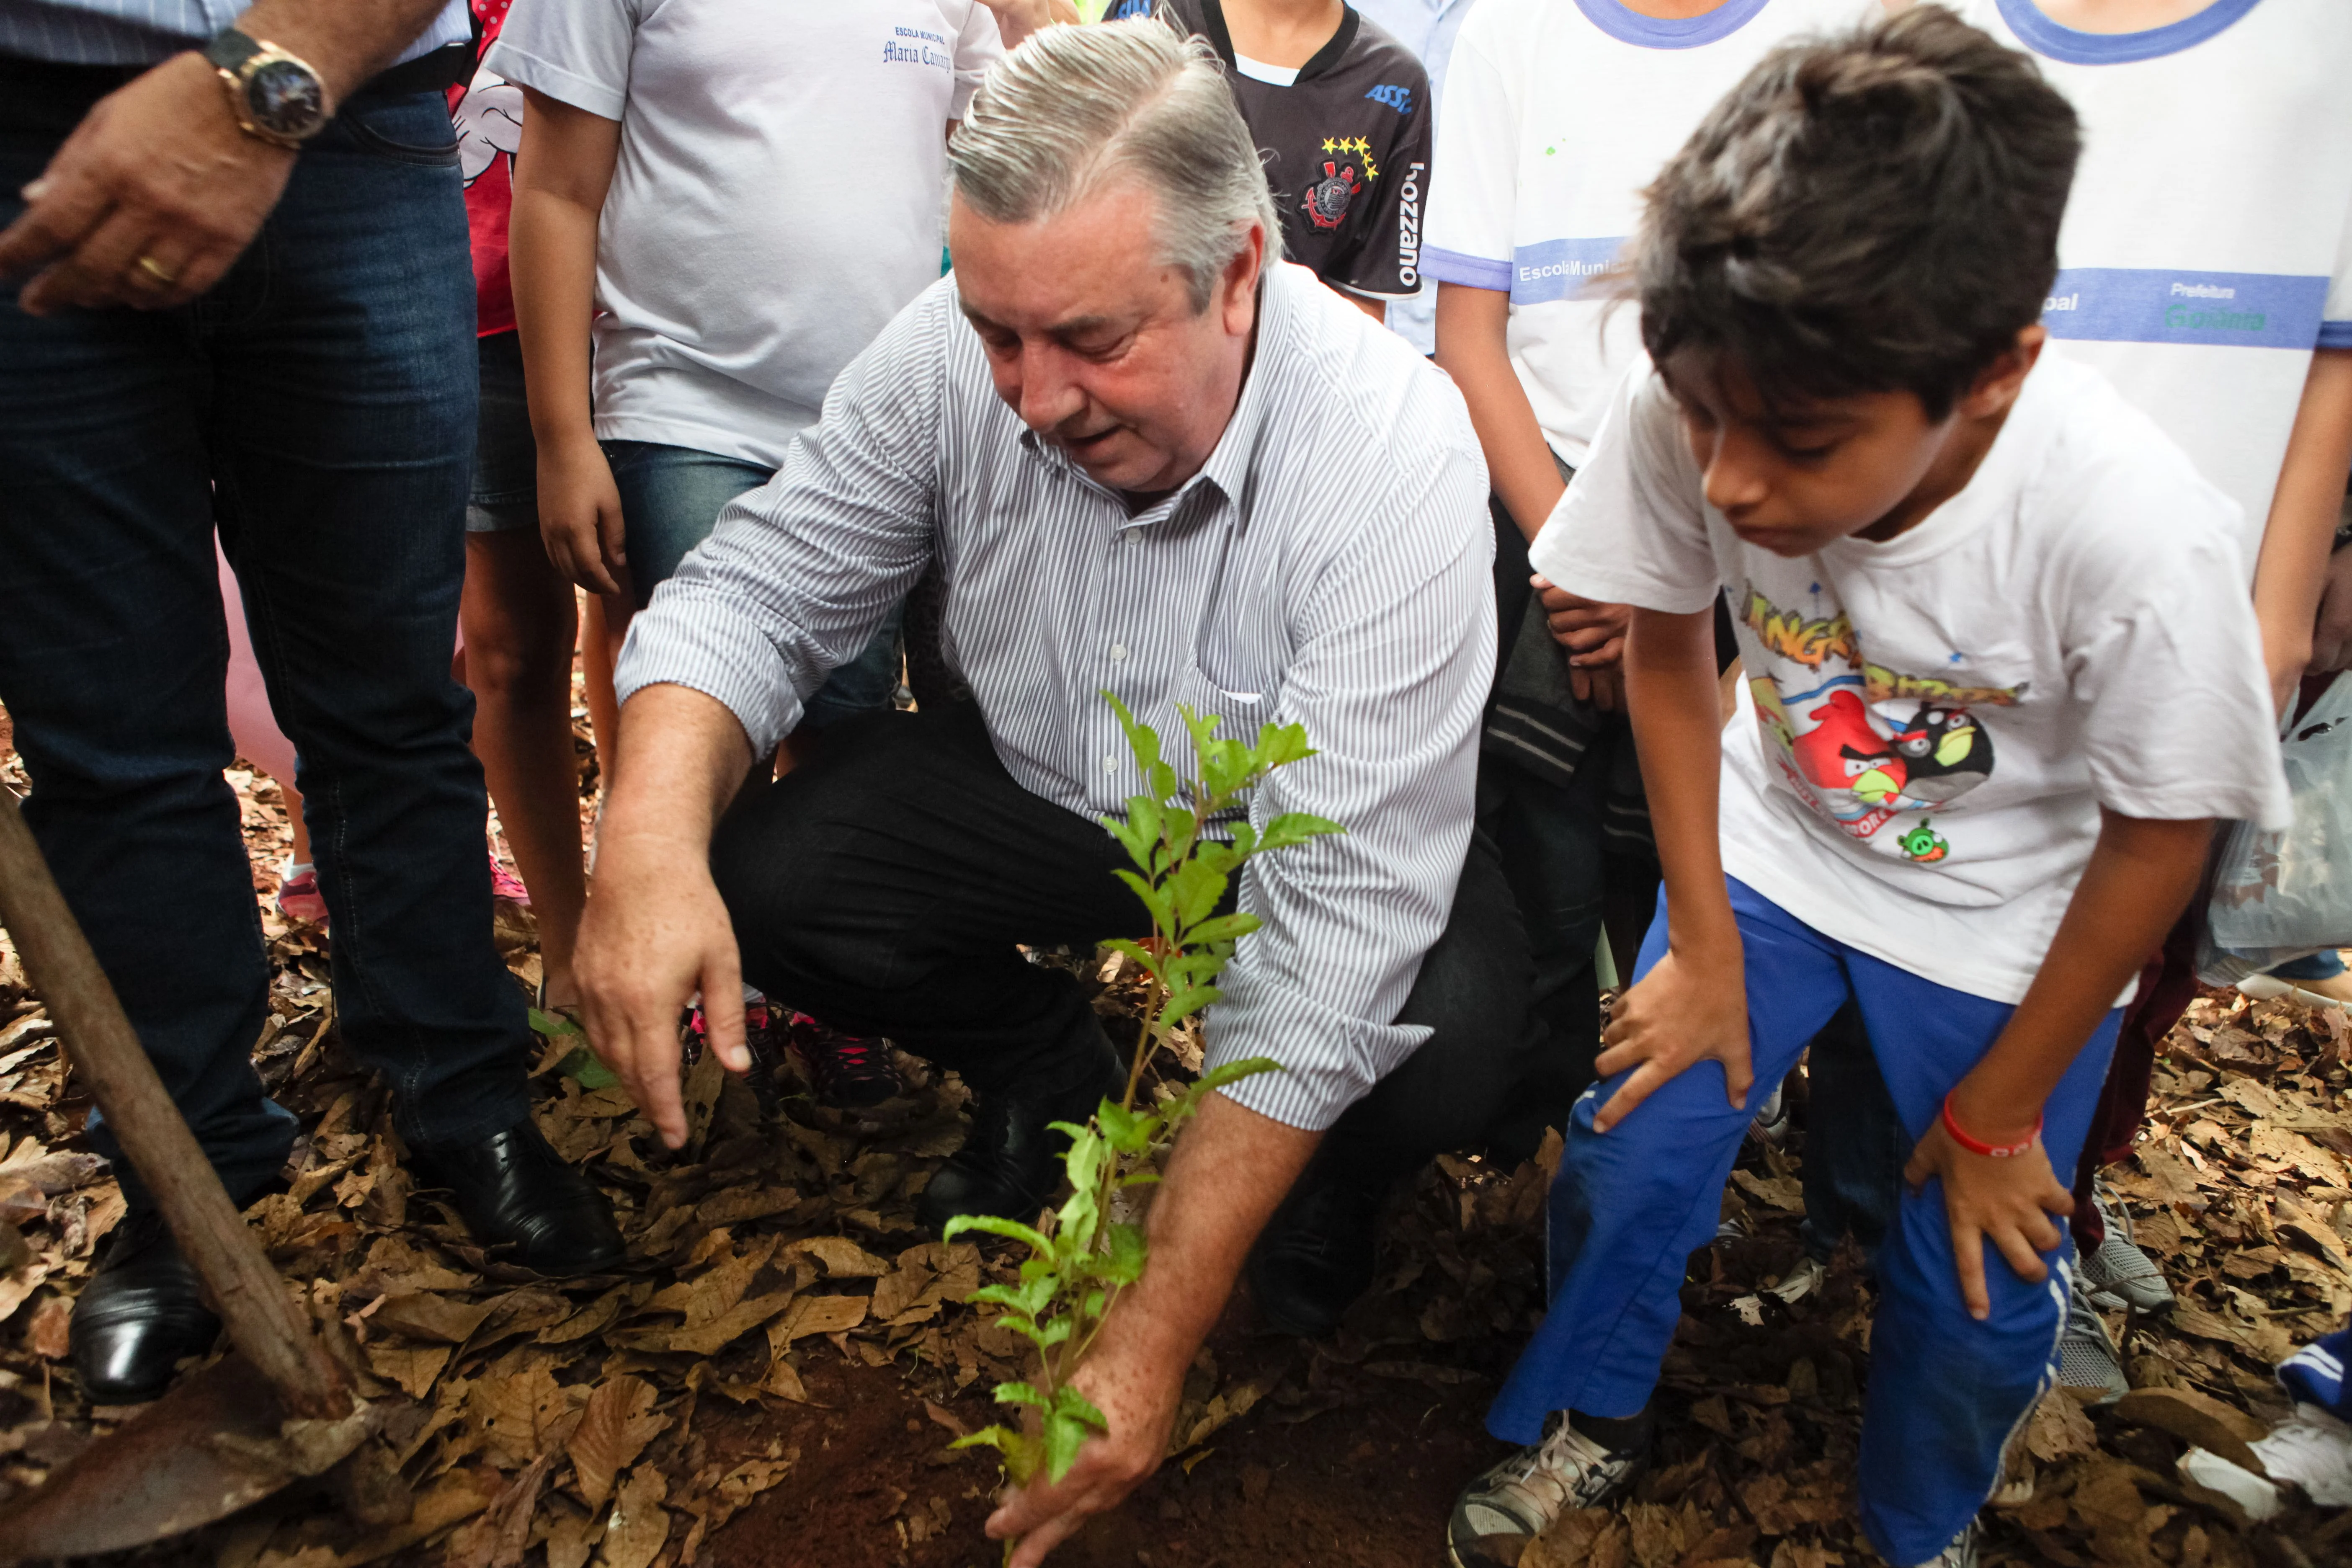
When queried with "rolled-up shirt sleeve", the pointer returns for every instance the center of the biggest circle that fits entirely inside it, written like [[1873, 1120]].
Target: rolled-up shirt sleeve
[[1391, 671], [798, 573]]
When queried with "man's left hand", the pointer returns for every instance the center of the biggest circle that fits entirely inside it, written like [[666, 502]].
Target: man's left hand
[[1139, 1395], [149, 202], [1595, 636]]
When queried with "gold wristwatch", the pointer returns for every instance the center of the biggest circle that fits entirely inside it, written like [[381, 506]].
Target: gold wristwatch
[[275, 95]]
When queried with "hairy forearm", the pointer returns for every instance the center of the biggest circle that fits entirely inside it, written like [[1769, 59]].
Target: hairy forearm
[[2140, 878], [683, 756], [1473, 347], [2293, 566], [345, 41], [1230, 1169], [1670, 690], [560, 176]]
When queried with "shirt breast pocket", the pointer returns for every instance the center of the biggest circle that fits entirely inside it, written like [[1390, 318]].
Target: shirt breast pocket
[[1243, 710]]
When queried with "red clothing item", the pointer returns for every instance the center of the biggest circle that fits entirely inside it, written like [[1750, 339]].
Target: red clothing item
[[489, 115]]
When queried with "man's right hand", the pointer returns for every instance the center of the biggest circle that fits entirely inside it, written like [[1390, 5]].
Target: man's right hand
[[655, 932], [580, 515]]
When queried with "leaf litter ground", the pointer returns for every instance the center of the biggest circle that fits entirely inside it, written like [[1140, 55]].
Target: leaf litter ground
[[773, 1377]]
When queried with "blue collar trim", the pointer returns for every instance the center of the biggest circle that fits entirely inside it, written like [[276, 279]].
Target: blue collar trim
[[2044, 36], [1620, 21]]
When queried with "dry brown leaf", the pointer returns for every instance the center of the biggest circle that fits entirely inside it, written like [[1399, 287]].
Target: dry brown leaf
[[571, 1539], [516, 1414], [455, 1498], [614, 1428], [639, 1524], [413, 1367], [842, 1258], [708, 1338], [815, 1315], [2197, 1418], [2058, 1429], [47, 1334], [422, 1315]]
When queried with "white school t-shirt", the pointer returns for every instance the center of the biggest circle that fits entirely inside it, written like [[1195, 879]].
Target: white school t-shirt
[[1557, 114], [776, 199], [1929, 726], [2208, 245]]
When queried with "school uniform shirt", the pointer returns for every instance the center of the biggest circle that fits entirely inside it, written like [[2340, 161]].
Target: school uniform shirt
[[488, 114], [1427, 28], [2207, 245], [1557, 113], [1346, 142], [776, 199], [1928, 726]]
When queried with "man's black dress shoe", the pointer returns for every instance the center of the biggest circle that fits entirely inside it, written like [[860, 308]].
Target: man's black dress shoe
[[1011, 1161], [516, 1192], [138, 1316], [1318, 1253]]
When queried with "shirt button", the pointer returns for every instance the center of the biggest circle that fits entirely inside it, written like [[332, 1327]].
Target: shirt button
[[1117, 651], [1133, 536], [1110, 764]]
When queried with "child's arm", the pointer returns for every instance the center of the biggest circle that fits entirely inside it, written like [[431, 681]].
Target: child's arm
[[1692, 1006], [2140, 878], [1473, 324], [560, 179], [2292, 568]]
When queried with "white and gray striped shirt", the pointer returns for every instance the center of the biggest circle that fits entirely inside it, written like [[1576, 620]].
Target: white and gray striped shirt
[[142, 32], [1329, 566]]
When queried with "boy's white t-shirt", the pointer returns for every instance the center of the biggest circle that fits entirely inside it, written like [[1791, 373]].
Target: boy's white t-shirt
[[776, 199], [2208, 245], [1929, 726], [1557, 114]]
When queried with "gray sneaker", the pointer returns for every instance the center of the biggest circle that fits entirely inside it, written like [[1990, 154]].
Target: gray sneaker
[[2118, 1272], [1515, 1501], [1961, 1552], [1773, 1118], [2087, 1357]]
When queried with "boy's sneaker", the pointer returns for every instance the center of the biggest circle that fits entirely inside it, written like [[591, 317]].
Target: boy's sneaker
[[2118, 1272], [1773, 1118], [849, 1072], [299, 898], [2087, 1357], [1514, 1502], [1961, 1552]]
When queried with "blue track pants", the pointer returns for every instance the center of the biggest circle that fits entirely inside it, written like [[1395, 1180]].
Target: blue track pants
[[1629, 1206]]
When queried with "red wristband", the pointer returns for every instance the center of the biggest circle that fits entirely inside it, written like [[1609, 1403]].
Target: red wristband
[[1975, 1145]]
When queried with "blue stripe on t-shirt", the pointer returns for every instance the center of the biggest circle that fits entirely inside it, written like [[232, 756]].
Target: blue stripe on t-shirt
[[1452, 267], [2148, 305], [1560, 268], [2335, 335]]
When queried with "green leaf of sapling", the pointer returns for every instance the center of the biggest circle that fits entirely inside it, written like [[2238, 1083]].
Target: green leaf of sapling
[[1064, 1436], [1021, 1394], [996, 1225]]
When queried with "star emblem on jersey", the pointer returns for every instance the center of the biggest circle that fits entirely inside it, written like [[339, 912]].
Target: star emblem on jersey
[[1328, 197]]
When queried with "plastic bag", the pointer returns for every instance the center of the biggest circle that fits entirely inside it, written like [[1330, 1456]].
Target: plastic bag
[[2280, 896]]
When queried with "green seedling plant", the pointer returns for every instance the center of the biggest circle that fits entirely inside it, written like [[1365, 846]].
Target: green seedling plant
[[1083, 1259]]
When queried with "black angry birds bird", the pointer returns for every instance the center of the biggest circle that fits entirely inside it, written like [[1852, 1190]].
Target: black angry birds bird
[[1946, 753]]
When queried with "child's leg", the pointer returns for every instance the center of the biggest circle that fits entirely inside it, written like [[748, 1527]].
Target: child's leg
[[1629, 1206], [1945, 1391]]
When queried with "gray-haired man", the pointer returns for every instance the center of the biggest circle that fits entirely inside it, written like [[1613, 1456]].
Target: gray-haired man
[[1140, 456]]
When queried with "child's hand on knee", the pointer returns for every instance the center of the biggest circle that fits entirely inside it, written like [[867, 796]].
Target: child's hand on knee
[[2007, 1200], [1683, 1012]]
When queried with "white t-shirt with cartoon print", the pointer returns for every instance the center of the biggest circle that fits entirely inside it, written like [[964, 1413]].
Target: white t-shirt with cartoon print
[[1557, 114], [1929, 726], [776, 199], [2208, 245]]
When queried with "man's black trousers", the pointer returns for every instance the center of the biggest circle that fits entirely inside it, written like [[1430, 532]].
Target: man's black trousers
[[884, 885]]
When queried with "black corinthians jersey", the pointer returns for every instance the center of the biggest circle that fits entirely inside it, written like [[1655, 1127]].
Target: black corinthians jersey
[[1346, 149]]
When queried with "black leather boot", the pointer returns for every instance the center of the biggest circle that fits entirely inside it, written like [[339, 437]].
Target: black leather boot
[[138, 1316], [517, 1194], [1317, 1254], [1011, 1161]]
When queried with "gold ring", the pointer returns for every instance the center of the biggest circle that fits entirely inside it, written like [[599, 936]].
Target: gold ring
[[156, 269]]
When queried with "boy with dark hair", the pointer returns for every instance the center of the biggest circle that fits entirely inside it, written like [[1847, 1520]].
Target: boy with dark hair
[[2001, 676]]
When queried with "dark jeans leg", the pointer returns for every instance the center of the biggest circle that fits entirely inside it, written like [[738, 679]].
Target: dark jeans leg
[[2168, 983], [1856, 1146], [113, 659], [884, 884]]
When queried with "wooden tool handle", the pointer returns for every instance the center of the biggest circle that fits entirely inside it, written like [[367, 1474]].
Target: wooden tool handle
[[263, 1320]]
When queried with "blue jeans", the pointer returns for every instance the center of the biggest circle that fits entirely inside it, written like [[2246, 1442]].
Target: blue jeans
[[1628, 1208], [670, 500], [318, 407]]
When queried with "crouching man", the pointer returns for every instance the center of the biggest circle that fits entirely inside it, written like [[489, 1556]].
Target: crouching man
[[1141, 454]]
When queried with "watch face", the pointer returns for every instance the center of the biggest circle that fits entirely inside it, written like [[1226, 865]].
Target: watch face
[[284, 97]]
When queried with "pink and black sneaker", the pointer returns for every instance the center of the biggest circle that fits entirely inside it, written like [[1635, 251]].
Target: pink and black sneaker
[[849, 1072], [505, 884], [299, 898]]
